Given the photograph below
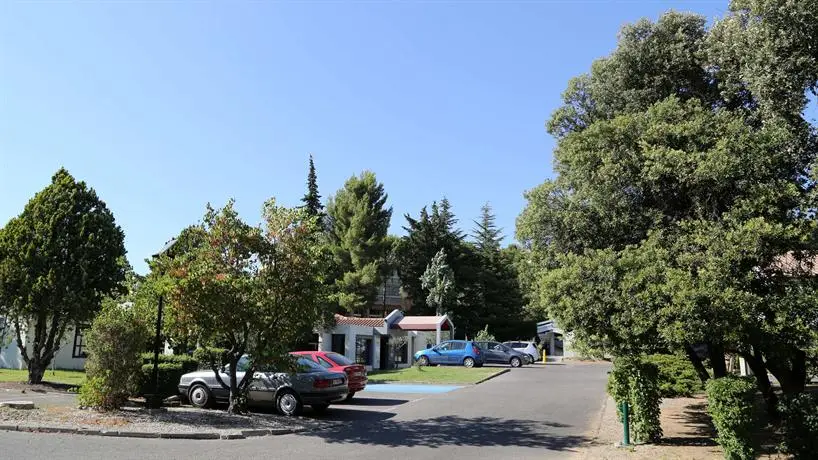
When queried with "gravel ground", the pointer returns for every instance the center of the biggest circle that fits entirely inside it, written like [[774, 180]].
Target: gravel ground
[[169, 420]]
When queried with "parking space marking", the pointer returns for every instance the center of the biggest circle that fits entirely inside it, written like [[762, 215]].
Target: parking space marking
[[407, 388]]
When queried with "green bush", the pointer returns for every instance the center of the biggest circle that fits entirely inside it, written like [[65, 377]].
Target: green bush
[[112, 368], [635, 380], [188, 363], [677, 376], [171, 369], [799, 415], [730, 402]]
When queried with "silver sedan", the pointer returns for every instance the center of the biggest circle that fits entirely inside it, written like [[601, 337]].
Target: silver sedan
[[312, 385]]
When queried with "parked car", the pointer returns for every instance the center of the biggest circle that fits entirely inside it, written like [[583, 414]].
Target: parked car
[[452, 352], [529, 348], [310, 385], [336, 362], [497, 353]]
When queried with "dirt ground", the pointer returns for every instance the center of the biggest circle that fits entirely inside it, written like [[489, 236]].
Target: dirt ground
[[688, 434]]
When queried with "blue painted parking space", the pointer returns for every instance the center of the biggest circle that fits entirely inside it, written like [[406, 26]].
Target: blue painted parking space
[[409, 388]]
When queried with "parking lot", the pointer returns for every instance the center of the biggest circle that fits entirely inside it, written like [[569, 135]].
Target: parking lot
[[532, 412]]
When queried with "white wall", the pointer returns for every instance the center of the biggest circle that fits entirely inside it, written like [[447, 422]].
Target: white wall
[[12, 358]]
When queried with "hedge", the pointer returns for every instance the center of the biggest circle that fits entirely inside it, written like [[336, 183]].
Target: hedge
[[799, 414], [677, 376], [171, 369], [635, 380], [730, 402]]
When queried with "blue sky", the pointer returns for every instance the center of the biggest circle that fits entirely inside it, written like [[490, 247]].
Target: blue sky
[[163, 107]]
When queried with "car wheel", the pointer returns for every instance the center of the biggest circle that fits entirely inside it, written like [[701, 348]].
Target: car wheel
[[320, 408], [199, 396], [424, 361], [468, 362], [288, 404], [349, 396], [516, 362]]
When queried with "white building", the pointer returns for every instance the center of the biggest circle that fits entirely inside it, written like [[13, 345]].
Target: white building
[[384, 343], [71, 354]]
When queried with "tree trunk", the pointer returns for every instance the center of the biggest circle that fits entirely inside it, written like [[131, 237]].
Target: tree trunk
[[756, 363], [792, 380], [697, 363], [36, 370], [716, 352], [234, 408]]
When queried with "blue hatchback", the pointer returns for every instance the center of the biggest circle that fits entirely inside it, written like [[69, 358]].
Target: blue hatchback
[[452, 352]]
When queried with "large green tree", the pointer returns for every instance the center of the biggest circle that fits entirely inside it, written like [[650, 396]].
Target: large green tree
[[425, 236], [249, 290], [683, 182], [498, 286], [438, 280], [58, 259], [358, 220]]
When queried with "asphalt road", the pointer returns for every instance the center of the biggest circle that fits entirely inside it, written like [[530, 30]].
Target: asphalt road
[[531, 412]]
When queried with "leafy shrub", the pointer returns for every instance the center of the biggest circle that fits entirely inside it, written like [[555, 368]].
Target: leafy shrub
[[635, 380], [484, 335], [114, 342], [730, 402], [799, 415], [171, 369], [677, 376]]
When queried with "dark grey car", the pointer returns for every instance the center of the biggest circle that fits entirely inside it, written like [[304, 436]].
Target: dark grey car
[[312, 385], [497, 353]]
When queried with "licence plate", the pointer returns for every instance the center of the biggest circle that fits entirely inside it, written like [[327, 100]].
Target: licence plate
[[337, 382]]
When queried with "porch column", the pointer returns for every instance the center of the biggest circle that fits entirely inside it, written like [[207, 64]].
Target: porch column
[[552, 345], [437, 335]]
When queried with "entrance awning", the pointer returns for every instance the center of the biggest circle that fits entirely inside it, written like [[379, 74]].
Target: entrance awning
[[423, 323]]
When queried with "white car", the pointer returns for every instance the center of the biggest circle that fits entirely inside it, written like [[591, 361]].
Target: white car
[[527, 348]]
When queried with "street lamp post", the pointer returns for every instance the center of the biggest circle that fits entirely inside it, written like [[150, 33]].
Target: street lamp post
[[155, 400]]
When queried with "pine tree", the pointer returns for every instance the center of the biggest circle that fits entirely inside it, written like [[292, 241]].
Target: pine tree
[[358, 221], [486, 235], [312, 199]]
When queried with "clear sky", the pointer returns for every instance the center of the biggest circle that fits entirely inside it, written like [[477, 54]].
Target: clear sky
[[163, 107]]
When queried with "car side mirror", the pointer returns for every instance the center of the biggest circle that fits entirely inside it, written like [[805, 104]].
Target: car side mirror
[[428, 346]]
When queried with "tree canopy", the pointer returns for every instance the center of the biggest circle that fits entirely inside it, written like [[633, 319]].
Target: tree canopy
[[358, 221], [58, 259], [249, 290], [684, 179]]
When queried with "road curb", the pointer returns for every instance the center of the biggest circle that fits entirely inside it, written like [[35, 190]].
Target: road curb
[[243, 434], [496, 374]]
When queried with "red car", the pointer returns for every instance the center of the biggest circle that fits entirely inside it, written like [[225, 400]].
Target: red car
[[356, 373]]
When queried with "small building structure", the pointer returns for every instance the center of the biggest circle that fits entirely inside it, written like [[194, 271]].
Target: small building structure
[[387, 342]]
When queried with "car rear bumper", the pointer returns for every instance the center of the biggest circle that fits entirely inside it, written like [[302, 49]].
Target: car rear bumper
[[324, 397]]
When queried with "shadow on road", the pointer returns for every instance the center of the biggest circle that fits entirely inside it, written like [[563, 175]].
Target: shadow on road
[[375, 402], [453, 431]]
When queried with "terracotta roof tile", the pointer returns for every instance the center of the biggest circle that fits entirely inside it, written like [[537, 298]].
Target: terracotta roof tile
[[367, 322]]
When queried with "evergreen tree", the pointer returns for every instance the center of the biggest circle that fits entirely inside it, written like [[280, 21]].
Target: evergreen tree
[[358, 221], [486, 235], [312, 200]]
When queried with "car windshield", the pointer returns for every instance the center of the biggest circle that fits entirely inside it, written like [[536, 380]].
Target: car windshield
[[339, 359]]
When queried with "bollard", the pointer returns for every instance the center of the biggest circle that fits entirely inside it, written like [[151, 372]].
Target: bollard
[[626, 422], [543, 356]]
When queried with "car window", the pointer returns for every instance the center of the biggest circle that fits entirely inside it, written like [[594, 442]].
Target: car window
[[340, 359], [515, 345], [307, 365], [444, 346], [243, 364], [323, 362], [457, 346]]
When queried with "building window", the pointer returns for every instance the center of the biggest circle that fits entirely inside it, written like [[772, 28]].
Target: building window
[[79, 342], [339, 344], [401, 355], [363, 350]]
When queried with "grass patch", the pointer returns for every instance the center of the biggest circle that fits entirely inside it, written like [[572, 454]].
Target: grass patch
[[436, 374], [21, 375]]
